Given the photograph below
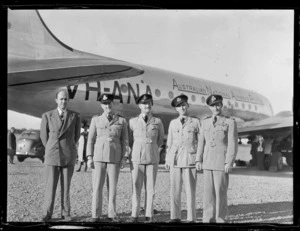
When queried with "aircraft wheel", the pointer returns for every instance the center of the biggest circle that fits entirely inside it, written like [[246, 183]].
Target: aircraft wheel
[[289, 159], [21, 158], [42, 159]]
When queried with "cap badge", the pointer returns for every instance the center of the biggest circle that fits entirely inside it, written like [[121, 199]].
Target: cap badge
[[178, 99], [213, 99], [104, 97]]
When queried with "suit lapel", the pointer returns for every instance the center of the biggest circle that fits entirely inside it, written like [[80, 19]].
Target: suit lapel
[[186, 122], [150, 117], [220, 120], [68, 120], [56, 117], [114, 119]]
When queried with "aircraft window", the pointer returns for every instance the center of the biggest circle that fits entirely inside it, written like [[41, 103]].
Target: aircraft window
[[228, 102], [124, 88], [243, 105], [193, 98], [203, 99], [171, 95], [225, 108], [236, 104], [157, 93], [255, 108], [249, 105]]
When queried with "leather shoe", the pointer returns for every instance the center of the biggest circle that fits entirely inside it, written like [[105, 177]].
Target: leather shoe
[[173, 221], [95, 219], [133, 219], [46, 218], [67, 218], [190, 221], [113, 219], [149, 219]]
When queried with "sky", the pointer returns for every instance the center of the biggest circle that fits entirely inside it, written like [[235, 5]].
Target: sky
[[250, 49]]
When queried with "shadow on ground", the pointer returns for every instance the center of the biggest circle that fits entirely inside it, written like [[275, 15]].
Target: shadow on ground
[[276, 212]]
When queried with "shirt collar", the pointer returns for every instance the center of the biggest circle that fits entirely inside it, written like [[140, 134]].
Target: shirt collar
[[112, 115], [143, 115], [60, 111]]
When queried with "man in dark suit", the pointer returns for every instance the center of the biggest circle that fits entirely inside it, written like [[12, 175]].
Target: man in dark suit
[[11, 145], [60, 131]]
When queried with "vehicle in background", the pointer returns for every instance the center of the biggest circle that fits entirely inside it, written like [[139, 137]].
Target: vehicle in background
[[29, 144]]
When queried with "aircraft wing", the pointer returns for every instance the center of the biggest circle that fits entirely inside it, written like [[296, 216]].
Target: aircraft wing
[[37, 58], [272, 126]]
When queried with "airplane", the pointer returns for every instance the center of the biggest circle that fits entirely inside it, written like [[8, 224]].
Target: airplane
[[39, 65]]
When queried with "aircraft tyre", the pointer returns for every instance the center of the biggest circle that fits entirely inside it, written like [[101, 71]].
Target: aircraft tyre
[[21, 158], [42, 159], [289, 159]]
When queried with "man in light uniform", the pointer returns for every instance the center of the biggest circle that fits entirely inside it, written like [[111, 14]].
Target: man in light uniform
[[217, 151], [147, 134], [182, 146], [106, 150]]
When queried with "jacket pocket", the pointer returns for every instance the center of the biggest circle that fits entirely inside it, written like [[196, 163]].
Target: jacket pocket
[[192, 158]]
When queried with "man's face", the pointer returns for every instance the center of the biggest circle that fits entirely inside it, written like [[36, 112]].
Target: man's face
[[12, 130], [145, 107], [216, 109], [182, 109], [62, 100], [107, 108]]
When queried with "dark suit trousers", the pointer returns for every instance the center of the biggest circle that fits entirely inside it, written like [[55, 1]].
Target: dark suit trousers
[[53, 173]]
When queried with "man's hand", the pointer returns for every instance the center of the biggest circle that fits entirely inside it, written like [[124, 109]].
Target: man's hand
[[123, 162], [227, 168], [167, 166], [199, 166], [90, 163]]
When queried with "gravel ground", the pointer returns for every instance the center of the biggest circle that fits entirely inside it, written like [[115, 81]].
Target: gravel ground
[[253, 196]]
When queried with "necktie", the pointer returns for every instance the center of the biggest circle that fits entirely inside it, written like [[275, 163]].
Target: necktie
[[62, 117], [214, 119], [182, 120], [146, 118], [109, 117]]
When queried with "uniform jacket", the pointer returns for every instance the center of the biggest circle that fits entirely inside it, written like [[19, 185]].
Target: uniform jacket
[[82, 142], [107, 141], [182, 143], [218, 143], [146, 137], [60, 140]]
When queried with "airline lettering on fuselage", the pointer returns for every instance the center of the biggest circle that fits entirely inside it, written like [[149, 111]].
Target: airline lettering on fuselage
[[189, 88], [132, 94]]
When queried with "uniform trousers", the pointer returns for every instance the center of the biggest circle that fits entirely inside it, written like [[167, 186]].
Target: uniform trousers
[[189, 177], [139, 173], [99, 174], [215, 196], [52, 174]]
